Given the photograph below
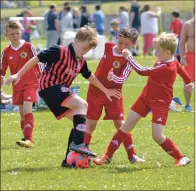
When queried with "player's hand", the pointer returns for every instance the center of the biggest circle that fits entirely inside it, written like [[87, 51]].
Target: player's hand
[[2, 80], [113, 93], [189, 87], [126, 53], [12, 78], [183, 61], [110, 74]]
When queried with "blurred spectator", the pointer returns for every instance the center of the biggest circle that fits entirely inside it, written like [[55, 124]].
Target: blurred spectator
[[85, 18], [26, 24], [123, 17], [176, 27], [149, 27], [98, 18], [135, 15], [53, 26], [30, 14], [61, 14], [66, 22], [114, 30], [135, 22], [76, 18]]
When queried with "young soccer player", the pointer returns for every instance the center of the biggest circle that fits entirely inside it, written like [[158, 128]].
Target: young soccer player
[[63, 63], [156, 96], [24, 93], [96, 100]]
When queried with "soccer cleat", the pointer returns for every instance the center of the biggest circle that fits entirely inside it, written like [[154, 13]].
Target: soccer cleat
[[188, 108], [25, 143], [136, 159], [65, 165], [104, 159], [82, 149], [183, 161]]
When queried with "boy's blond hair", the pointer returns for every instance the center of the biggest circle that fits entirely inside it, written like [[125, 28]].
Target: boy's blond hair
[[89, 34], [12, 25], [129, 32], [167, 41]]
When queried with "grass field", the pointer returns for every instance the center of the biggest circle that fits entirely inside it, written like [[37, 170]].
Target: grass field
[[108, 8], [39, 168]]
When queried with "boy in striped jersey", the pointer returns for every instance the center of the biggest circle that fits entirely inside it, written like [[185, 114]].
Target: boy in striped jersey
[[156, 96], [62, 65], [112, 58], [24, 93]]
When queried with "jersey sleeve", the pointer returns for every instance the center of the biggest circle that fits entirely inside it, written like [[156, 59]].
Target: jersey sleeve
[[124, 75], [4, 64], [50, 56], [155, 71], [86, 73], [183, 74]]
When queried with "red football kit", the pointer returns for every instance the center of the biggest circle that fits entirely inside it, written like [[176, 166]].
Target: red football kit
[[96, 98], [15, 59], [176, 26], [158, 92]]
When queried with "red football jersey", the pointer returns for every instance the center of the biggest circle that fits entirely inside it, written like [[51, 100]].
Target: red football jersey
[[161, 78], [15, 59], [116, 61], [176, 26]]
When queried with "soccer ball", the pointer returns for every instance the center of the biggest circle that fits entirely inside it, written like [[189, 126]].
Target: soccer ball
[[77, 160]]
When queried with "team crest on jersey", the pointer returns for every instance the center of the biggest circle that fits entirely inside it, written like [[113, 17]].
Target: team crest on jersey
[[116, 64], [23, 54], [64, 89]]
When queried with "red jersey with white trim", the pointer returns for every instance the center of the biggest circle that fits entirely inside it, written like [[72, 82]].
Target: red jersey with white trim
[[121, 67], [161, 79], [15, 59]]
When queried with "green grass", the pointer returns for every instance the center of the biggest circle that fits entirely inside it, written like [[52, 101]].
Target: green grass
[[108, 8], [39, 168]]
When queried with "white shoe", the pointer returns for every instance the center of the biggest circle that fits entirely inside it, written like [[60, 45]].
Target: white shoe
[[183, 161], [136, 159]]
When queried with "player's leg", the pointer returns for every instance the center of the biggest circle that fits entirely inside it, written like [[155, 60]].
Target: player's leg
[[190, 69], [138, 110], [29, 97], [118, 138], [95, 100], [21, 117], [78, 107], [128, 144], [158, 124]]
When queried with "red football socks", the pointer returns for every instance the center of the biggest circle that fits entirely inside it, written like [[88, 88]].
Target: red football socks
[[170, 148], [28, 126], [87, 138], [117, 139], [128, 144]]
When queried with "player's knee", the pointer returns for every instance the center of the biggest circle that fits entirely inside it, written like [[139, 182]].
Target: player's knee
[[84, 105], [157, 138]]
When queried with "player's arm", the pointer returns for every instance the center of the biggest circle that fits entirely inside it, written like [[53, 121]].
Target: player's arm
[[48, 56], [123, 76], [86, 73], [3, 68], [183, 39], [186, 78], [155, 71]]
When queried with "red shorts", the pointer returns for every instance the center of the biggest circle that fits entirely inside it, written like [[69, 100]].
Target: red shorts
[[97, 100], [190, 68], [158, 107], [29, 95]]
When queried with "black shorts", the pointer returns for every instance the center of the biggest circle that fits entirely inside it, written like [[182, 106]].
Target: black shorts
[[54, 97]]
